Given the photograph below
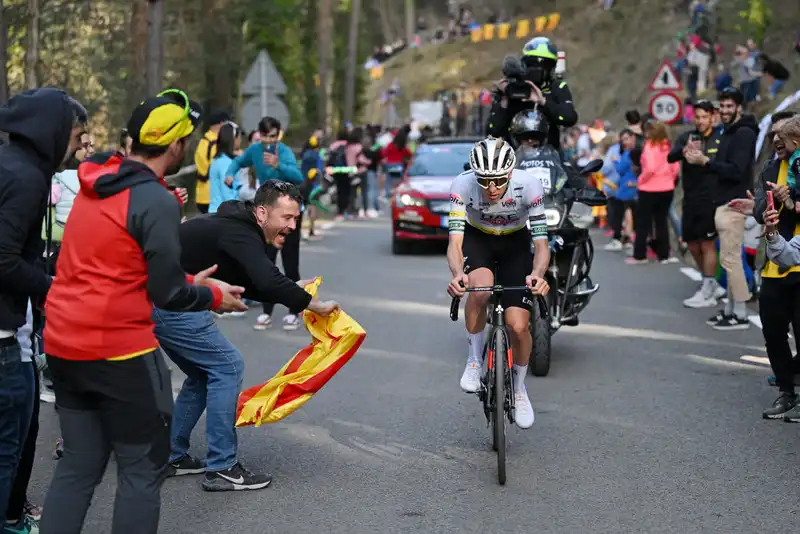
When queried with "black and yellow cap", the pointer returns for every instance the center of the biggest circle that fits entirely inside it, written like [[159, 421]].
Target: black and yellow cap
[[163, 119]]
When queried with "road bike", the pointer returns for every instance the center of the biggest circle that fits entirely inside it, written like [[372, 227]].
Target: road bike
[[496, 391]]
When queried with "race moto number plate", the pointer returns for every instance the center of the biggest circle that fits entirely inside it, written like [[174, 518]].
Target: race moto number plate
[[543, 174]]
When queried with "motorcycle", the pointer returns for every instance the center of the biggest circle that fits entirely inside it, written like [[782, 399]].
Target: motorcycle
[[568, 206]]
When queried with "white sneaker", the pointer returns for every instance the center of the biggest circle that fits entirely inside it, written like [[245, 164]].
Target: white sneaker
[[614, 245], [291, 322], [700, 300], [263, 322], [47, 395], [372, 214], [719, 291], [671, 259], [523, 411], [471, 379], [236, 314]]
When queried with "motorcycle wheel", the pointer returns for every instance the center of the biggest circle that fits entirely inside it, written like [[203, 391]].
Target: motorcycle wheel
[[540, 332]]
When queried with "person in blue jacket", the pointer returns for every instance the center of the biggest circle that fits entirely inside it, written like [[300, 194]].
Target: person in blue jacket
[[273, 160], [221, 187], [628, 175], [614, 206]]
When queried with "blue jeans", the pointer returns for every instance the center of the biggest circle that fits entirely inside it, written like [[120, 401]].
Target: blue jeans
[[214, 371], [369, 190], [16, 403], [775, 88], [395, 170]]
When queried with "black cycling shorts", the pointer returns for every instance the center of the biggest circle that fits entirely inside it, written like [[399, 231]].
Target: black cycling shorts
[[512, 254], [697, 222]]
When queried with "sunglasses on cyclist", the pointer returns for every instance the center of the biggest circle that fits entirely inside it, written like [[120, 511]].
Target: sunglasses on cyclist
[[498, 181]]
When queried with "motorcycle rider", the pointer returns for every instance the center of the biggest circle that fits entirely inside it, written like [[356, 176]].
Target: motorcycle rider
[[550, 95], [531, 129]]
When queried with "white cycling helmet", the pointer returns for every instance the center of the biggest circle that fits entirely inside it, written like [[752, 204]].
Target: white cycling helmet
[[492, 158]]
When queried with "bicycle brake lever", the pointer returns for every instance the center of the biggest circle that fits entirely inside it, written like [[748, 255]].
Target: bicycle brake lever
[[454, 309]]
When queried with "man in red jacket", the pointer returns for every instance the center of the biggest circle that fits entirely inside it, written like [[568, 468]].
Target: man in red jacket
[[120, 256]]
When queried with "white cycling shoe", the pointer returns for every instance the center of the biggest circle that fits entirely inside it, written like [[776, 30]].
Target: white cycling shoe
[[471, 379], [523, 411]]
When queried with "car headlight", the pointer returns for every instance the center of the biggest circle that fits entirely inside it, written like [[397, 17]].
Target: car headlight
[[553, 217], [404, 200], [581, 215]]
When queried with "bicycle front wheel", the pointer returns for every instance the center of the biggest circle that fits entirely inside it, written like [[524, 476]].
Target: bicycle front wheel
[[499, 416]]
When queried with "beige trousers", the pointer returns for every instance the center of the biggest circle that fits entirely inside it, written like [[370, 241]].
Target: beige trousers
[[730, 227]]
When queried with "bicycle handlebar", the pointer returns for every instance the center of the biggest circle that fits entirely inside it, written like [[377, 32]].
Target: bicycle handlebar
[[493, 289]]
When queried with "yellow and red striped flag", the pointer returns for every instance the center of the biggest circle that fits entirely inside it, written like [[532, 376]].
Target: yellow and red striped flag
[[335, 339]]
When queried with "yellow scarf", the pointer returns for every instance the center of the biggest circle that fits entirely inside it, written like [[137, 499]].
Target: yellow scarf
[[771, 270]]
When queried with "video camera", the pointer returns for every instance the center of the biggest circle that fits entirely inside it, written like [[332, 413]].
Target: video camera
[[518, 87]]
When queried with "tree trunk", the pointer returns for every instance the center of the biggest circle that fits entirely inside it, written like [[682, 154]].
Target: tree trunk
[[155, 46], [325, 47], [352, 58], [3, 55], [135, 84], [309, 38], [410, 22], [386, 24], [32, 45]]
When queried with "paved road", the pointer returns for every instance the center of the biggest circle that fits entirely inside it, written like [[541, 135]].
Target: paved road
[[648, 422]]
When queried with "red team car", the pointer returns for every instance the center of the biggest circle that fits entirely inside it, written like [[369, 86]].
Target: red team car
[[421, 203]]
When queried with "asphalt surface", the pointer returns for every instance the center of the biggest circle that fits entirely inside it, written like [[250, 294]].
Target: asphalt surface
[[648, 422]]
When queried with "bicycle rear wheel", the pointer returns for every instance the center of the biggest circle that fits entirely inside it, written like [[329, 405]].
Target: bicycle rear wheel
[[499, 415]]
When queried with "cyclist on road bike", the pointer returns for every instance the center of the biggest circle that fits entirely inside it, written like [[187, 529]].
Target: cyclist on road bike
[[489, 208]]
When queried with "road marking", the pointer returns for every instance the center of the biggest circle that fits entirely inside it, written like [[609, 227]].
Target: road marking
[[755, 359], [723, 363], [756, 320], [692, 273]]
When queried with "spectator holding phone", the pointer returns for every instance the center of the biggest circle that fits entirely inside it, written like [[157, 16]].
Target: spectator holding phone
[[699, 186], [733, 167], [274, 160], [223, 187], [779, 300]]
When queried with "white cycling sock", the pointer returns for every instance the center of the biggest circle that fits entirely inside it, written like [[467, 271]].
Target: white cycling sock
[[740, 310], [475, 347], [520, 372]]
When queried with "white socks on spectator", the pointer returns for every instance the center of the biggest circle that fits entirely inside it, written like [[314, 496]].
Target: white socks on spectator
[[708, 286], [520, 372], [740, 310], [729, 307], [475, 347]]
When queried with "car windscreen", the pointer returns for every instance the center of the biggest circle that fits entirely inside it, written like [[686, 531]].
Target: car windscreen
[[440, 160]]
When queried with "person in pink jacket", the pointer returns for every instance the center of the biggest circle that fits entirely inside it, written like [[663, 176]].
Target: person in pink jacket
[[656, 187]]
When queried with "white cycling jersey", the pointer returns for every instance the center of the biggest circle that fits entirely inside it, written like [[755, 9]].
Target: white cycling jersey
[[522, 201]]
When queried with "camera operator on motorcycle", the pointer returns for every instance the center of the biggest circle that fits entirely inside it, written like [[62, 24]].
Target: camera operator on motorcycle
[[529, 82], [489, 208]]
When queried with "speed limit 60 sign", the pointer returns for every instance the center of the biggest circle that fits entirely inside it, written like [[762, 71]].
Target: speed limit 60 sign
[[666, 107]]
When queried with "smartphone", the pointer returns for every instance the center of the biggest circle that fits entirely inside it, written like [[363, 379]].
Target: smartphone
[[270, 148], [770, 201], [695, 138]]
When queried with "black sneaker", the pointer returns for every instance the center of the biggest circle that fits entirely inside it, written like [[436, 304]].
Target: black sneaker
[[782, 404], [793, 415], [711, 321], [235, 478], [188, 465], [731, 322]]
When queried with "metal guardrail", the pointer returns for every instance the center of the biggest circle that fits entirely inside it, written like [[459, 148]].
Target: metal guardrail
[[182, 172]]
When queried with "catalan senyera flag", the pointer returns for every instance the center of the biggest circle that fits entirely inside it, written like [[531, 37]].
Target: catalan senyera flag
[[335, 339]]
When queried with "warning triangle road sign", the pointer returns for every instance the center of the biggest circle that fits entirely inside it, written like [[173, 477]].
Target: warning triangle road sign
[[666, 79]]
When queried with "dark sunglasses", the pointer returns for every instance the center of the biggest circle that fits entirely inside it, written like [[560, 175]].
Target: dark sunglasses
[[499, 182]]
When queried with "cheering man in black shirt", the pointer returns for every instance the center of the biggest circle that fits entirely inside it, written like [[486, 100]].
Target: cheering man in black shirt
[[234, 239]]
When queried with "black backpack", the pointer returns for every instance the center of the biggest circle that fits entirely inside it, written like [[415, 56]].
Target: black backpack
[[338, 157]]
